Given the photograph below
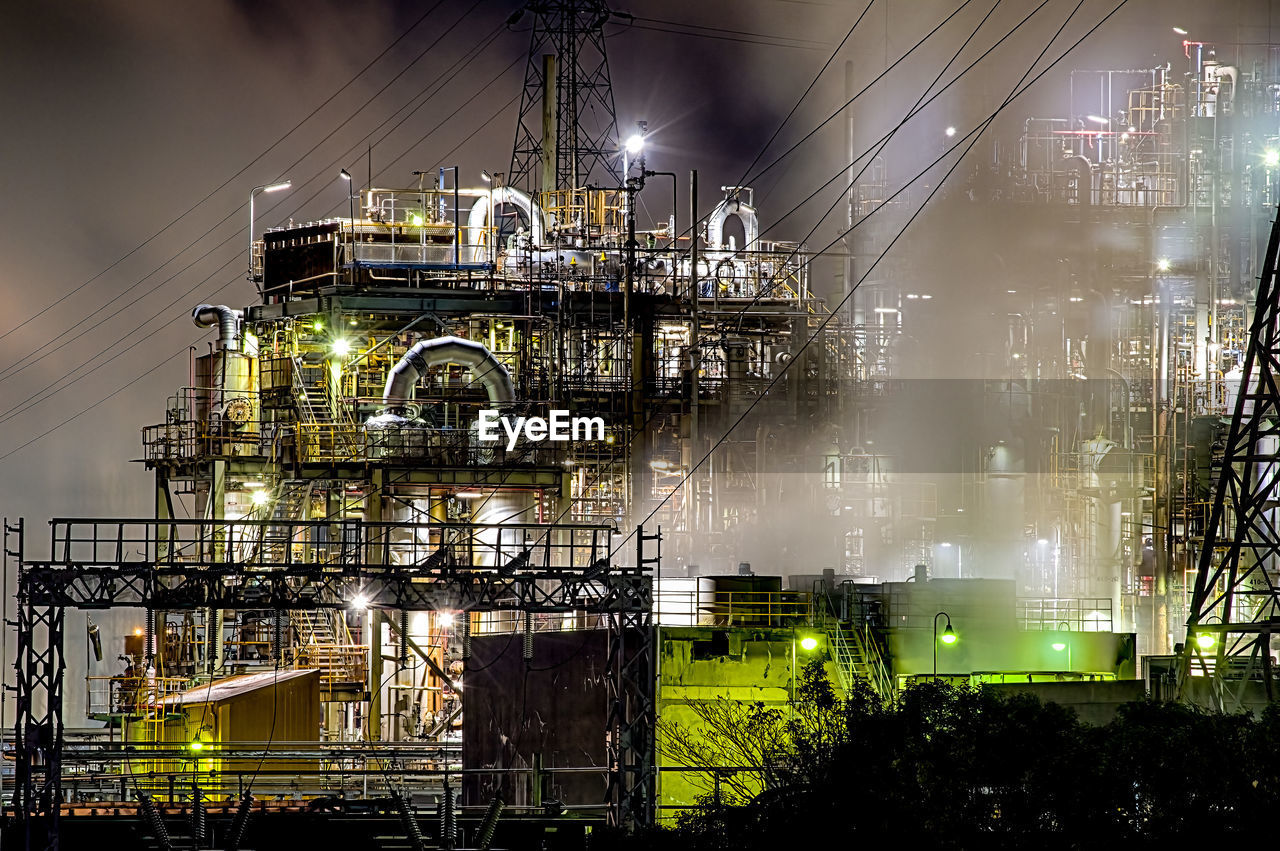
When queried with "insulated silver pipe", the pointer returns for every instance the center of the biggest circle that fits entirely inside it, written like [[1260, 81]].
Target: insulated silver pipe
[[487, 371], [208, 315]]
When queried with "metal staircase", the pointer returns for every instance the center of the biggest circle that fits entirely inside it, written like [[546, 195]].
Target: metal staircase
[[289, 504], [315, 628], [325, 424], [853, 649], [311, 393], [322, 641]]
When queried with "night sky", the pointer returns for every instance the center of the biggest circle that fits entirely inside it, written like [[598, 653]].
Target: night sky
[[120, 116]]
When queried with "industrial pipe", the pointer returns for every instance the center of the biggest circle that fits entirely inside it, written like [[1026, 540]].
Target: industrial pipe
[[730, 206], [1084, 178], [478, 218], [491, 374], [208, 315]]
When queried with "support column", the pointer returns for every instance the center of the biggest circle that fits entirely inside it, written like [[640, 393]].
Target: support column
[[550, 123]]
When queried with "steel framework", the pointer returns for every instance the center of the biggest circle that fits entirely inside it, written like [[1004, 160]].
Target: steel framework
[[585, 131], [1235, 606], [175, 565]]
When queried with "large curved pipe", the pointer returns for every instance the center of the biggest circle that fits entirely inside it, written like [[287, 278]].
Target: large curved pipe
[[478, 218], [729, 207], [208, 315], [491, 374]]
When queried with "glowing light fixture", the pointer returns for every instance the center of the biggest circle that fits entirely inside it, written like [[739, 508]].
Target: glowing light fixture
[[635, 144], [808, 643], [197, 745], [1179, 30], [417, 220], [948, 636], [260, 497], [341, 347], [951, 131], [1206, 641], [137, 630], [360, 602], [1271, 157], [1163, 264], [1098, 119], [444, 620], [344, 174], [486, 177], [1059, 646]]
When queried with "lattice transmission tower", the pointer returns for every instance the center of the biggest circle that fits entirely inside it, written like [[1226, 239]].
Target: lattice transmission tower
[[566, 135], [1235, 604]]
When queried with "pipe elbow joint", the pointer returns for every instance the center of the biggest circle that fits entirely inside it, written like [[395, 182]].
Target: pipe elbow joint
[[208, 315]]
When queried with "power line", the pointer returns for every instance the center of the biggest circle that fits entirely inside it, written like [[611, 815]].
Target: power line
[[700, 340], [86, 410], [228, 181], [34, 356], [68, 340], [188, 292], [812, 83], [972, 138], [723, 34]]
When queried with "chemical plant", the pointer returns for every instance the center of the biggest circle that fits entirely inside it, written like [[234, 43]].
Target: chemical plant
[[492, 486]]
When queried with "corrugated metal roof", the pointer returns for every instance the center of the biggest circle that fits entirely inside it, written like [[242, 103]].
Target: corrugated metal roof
[[235, 686]]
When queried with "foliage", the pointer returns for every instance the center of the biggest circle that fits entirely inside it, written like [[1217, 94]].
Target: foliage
[[961, 767]]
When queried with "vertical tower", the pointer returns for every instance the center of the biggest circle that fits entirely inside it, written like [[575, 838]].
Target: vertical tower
[[567, 129], [1235, 606]]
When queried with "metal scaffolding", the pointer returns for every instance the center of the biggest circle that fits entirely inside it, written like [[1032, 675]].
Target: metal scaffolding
[[170, 565], [1235, 605]]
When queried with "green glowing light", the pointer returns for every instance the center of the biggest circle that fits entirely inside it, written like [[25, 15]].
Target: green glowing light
[[1059, 645], [417, 221], [808, 643], [197, 745], [948, 637], [1206, 641]]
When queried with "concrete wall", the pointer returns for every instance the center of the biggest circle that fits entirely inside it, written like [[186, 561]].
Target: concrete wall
[[702, 664], [1094, 703], [980, 647]]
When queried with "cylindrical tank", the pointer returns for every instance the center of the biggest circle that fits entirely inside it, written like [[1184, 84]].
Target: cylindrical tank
[[498, 547], [226, 396], [1106, 469]]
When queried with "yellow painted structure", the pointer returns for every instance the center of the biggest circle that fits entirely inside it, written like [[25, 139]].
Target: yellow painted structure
[[701, 665], [245, 712]]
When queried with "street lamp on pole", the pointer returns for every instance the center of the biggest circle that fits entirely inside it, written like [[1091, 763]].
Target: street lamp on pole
[[948, 637], [253, 193]]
